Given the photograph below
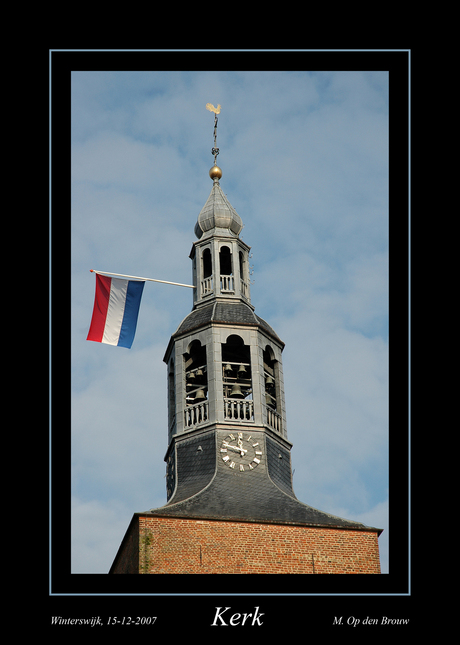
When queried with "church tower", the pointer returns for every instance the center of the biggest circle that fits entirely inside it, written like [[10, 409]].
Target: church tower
[[227, 419], [228, 465]]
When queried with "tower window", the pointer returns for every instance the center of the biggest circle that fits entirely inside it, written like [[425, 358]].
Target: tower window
[[171, 398], [244, 286], [207, 263], [236, 366], [226, 272], [225, 259], [237, 380], [206, 270], [196, 373], [270, 377]]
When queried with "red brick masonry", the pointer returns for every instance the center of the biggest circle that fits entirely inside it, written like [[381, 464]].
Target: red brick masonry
[[156, 544]]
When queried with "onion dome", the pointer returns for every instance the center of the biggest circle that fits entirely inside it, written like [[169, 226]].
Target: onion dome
[[218, 213]]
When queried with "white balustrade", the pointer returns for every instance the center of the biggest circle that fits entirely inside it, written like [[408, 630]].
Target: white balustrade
[[206, 286], [274, 419], [227, 283], [238, 410], [195, 414], [244, 288]]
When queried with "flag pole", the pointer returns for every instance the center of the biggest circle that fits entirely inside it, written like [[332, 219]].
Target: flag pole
[[135, 277]]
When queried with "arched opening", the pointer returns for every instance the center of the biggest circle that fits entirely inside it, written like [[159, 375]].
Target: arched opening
[[272, 394], [244, 284], [206, 273], [237, 379], [270, 377], [226, 269], [225, 261], [207, 263], [196, 384], [171, 398]]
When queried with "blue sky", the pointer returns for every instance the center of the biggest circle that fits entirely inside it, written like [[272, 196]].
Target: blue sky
[[304, 157]]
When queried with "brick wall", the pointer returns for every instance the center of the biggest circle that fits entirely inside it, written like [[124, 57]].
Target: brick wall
[[175, 545]]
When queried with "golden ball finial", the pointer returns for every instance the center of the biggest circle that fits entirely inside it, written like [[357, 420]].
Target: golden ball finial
[[215, 172]]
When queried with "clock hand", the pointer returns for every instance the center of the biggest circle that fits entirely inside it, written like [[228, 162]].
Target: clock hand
[[241, 449], [236, 449]]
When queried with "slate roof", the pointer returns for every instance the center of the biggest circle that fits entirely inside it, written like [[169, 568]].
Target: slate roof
[[234, 313], [209, 491], [266, 503]]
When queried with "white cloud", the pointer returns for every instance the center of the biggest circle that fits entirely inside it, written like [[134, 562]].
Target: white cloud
[[118, 421]]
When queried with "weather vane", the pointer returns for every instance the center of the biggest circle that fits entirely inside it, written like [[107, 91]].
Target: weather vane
[[216, 110]]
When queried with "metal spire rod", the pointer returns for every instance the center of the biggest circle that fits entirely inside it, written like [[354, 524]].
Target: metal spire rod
[[215, 150], [211, 108]]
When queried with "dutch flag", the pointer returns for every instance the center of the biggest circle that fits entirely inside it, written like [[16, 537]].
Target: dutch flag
[[115, 312]]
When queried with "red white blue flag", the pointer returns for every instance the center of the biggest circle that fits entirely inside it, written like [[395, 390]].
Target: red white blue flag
[[115, 312]]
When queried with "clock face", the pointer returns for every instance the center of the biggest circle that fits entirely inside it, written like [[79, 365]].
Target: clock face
[[241, 452]]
